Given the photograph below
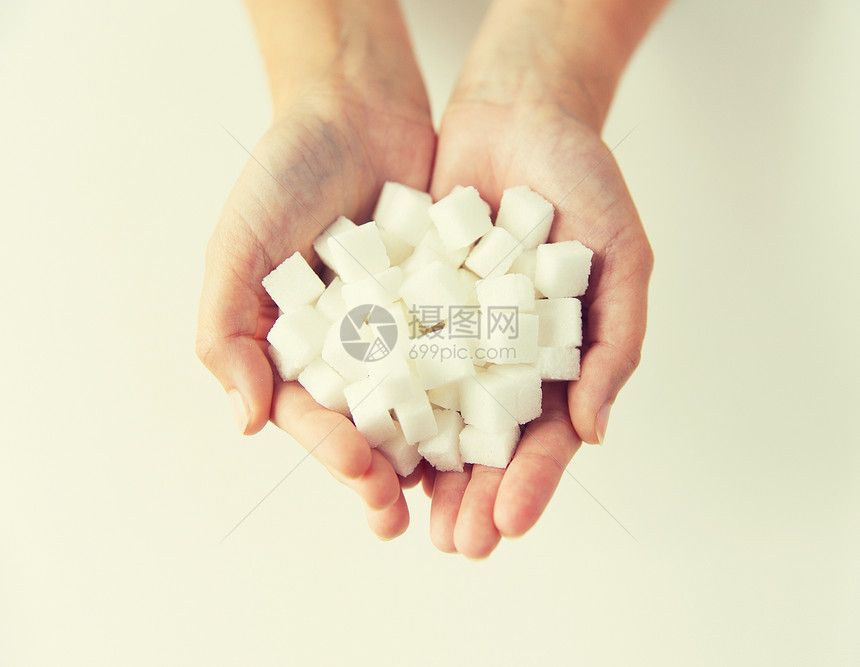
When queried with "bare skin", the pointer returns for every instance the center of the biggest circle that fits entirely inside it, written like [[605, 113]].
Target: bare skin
[[527, 109]]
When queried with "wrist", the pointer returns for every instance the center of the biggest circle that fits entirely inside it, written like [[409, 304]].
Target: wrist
[[570, 54], [342, 51]]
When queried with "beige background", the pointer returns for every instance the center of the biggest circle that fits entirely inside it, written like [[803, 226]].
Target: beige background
[[732, 455]]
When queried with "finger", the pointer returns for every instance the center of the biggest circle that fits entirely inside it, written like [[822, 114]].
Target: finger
[[428, 479], [545, 449], [412, 478], [390, 522], [448, 490], [475, 534], [456, 166], [614, 328], [330, 437], [234, 317], [378, 487]]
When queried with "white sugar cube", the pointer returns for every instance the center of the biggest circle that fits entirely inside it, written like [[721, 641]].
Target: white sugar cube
[[526, 379], [471, 343], [512, 290], [447, 396], [558, 363], [397, 249], [453, 256], [488, 401], [336, 356], [560, 322], [440, 359], [401, 454], [421, 257], [358, 253], [415, 417], [340, 225], [526, 215], [331, 304], [494, 253], [467, 282], [293, 283], [461, 217], [562, 268], [527, 338], [514, 344], [428, 293], [442, 451], [403, 211], [371, 418], [431, 250], [399, 314], [489, 448], [394, 379], [525, 264], [297, 335], [325, 386], [286, 368], [381, 289]]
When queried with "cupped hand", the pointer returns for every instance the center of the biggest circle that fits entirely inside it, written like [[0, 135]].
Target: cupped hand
[[324, 156], [545, 144]]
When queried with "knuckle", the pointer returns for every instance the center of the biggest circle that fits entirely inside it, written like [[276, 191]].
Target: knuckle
[[633, 358], [626, 357]]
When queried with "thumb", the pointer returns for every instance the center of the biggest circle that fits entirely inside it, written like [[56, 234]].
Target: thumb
[[616, 321], [234, 317]]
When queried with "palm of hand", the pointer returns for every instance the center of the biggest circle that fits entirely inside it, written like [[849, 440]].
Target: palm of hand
[[310, 167]]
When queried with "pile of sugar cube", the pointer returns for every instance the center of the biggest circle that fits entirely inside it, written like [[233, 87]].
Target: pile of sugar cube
[[436, 327]]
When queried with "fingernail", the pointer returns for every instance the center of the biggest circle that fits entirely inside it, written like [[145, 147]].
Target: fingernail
[[602, 421], [239, 409]]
